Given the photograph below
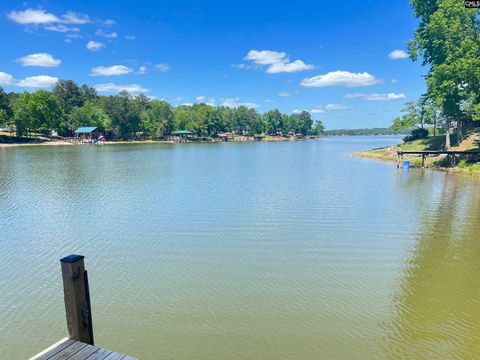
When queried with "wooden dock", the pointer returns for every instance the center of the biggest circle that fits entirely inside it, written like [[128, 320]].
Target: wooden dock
[[75, 350], [79, 344], [451, 155]]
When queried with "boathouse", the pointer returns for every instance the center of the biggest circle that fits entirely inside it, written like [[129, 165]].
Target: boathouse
[[86, 134]]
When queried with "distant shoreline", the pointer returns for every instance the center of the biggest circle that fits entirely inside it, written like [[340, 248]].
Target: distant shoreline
[[146, 141]]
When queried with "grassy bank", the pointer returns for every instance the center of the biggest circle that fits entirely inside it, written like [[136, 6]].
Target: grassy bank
[[469, 144]]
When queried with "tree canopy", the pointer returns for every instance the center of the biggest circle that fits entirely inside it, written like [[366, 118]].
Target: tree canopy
[[124, 116], [447, 40]]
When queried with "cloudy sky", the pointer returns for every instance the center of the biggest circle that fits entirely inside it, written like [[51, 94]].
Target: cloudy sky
[[343, 61]]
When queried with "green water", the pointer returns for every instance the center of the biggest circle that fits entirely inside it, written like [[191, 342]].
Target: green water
[[289, 250]]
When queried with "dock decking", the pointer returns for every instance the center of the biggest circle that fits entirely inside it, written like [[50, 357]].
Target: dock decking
[[451, 155], [75, 350]]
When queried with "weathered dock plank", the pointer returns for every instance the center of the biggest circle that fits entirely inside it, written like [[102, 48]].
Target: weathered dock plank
[[76, 350]]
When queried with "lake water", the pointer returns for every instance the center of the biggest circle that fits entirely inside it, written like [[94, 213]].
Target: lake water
[[289, 250]]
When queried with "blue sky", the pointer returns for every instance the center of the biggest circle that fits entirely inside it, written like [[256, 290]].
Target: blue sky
[[332, 58]]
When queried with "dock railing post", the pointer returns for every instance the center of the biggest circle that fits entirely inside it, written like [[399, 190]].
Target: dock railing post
[[77, 299]]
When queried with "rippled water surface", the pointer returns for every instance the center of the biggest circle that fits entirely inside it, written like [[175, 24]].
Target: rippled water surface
[[289, 250]]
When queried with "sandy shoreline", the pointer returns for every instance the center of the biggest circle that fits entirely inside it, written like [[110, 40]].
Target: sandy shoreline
[[123, 142], [46, 143]]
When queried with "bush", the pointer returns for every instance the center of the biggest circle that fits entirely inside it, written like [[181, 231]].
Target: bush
[[417, 134]]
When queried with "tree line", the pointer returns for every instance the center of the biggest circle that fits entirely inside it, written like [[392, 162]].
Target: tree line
[[447, 40], [366, 131], [124, 116]]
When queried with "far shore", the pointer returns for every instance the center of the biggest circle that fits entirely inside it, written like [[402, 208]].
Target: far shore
[[45, 142]]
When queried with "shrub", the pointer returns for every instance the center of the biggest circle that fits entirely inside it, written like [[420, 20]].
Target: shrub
[[417, 134]]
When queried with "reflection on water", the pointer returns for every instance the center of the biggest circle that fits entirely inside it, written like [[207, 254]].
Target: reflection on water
[[242, 251], [436, 308]]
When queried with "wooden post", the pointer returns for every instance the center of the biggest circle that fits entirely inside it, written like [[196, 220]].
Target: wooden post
[[77, 299]]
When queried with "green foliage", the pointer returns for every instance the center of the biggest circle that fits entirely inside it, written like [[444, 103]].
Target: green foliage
[[372, 131], [448, 40], [157, 120], [38, 111], [3, 117], [124, 116], [417, 134], [89, 114], [68, 95]]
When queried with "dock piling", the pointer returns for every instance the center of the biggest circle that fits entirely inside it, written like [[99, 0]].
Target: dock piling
[[77, 299]]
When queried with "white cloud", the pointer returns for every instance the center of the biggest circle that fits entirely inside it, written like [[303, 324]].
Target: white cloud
[[110, 70], [340, 78], [5, 79], [269, 100], [205, 100], [94, 45], [112, 35], [32, 16], [39, 81], [178, 98], [40, 16], [75, 18], [295, 66], [398, 54], [311, 111], [142, 69], [337, 107], [235, 102], [40, 59], [238, 66], [376, 97], [110, 87], [265, 57], [130, 37], [61, 28], [162, 67], [284, 93], [108, 22], [323, 109], [276, 62]]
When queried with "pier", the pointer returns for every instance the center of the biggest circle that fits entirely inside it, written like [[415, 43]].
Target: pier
[[79, 345], [452, 155]]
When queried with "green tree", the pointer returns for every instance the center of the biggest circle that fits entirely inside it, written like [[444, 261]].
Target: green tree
[[38, 111], [124, 113], [447, 39], [318, 128], [157, 120], [24, 117], [69, 95], [306, 122], [89, 114], [88, 93], [273, 122], [5, 109]]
